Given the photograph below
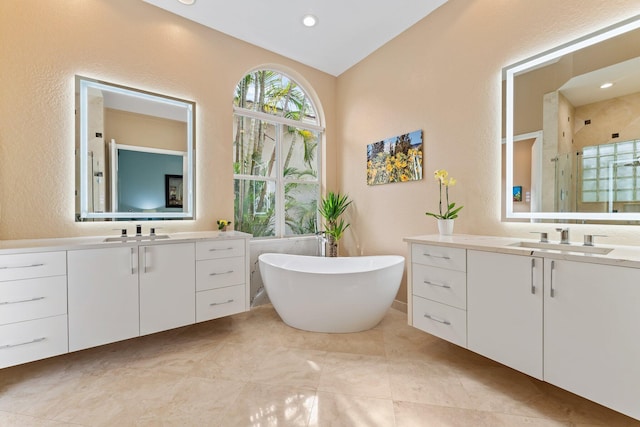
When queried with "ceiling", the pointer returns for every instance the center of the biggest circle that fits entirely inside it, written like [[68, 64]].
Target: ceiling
[[347, 30], [585, 89]]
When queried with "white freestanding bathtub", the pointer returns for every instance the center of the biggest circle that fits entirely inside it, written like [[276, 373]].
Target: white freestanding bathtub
[[324, 294]]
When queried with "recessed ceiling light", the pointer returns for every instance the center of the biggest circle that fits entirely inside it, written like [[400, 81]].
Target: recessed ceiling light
[[606, 85], [187, 2], [309, 20]]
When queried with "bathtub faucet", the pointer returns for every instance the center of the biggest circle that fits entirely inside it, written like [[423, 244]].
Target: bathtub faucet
[[322, 243]]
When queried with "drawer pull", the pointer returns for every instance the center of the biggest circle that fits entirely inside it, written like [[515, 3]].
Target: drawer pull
[[220, 249], [219, 274], [437, 319], [7, 346], [22, 266], [439, 285], [221, 303], [22, 300], [437, 256], [552, 292]]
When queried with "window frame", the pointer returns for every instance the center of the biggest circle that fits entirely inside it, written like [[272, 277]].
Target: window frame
[[279, 179], [612, 189]]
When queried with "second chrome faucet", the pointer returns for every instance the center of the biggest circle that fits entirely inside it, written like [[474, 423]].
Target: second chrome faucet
[[564, 235]]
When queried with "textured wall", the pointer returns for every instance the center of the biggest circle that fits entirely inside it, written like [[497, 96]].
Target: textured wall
[[44, 44], [443, 75]]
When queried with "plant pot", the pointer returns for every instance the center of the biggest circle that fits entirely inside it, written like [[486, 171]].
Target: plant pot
[[445, 227]]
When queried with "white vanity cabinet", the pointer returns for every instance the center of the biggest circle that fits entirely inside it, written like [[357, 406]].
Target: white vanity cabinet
[[592, 332], [504, 309], [565, 316], [33, 306], [167, 286], [123, 292], [221, 274], [78, 293], [103, 296], [438, 291]]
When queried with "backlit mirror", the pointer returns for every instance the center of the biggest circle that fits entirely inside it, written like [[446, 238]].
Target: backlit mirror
[[134, 154], [572, 130]]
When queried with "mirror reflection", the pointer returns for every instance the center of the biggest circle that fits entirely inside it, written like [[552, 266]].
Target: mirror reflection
[[134, 154], [572, 130]]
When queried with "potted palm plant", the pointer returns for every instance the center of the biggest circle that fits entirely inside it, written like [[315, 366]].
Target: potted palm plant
[[331, 207]]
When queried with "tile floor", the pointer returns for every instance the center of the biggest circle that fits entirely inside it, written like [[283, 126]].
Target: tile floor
[[252, 370]]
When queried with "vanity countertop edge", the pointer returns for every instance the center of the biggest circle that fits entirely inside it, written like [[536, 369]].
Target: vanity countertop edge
[[620, 255], [97, 242]]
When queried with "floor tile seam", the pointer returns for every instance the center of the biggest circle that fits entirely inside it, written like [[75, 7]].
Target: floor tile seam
[[317, 398], [39, 418], [479, 411], [294, 388]]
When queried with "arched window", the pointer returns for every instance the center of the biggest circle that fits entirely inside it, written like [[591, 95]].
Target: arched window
[[276, 156]]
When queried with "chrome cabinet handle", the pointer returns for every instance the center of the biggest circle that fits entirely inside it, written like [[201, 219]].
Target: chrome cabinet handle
[[7, 346], [219, 249], [552, 292], [219, 274], [437, 319], [133, 271], [21, 266], [221, 303], [437, 256], [533, 286], [439, 285], [145, 260], [22, 300]]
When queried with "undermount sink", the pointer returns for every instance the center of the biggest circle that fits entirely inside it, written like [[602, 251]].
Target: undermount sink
[[563, 247], [136, 238]]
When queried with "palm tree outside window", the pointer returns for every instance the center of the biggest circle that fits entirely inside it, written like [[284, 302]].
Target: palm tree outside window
[[276, 160]]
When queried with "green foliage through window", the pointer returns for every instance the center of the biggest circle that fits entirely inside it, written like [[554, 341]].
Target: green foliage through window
[[275, 156]]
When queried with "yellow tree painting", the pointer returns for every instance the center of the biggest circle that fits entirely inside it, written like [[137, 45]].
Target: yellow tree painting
[[396, 159]]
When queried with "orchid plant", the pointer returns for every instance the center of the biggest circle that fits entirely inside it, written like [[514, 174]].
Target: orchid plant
[[451, 212]]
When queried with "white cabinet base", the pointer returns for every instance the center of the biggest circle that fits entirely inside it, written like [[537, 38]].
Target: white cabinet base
[[219, 302], [24, 342], [441, 320]]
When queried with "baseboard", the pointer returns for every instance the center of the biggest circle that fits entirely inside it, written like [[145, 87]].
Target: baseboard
[[400, 306]]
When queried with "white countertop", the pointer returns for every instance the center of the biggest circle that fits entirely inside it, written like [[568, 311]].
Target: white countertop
[[93, 242], [624, 256]]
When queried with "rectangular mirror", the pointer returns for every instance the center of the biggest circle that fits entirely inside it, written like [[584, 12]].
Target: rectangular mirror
[[572, 130], [134, 154]]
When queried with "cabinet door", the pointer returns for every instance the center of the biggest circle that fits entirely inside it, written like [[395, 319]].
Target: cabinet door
[[592, 332], [504, 309], [103, 296], [167, 287]]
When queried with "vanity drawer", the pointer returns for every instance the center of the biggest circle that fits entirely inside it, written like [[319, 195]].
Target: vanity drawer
[[220, 302], [439, 256], [219, 273], [36, 339], [444, 321], [32, 265], [213, 249], [441, 285], [30, 299]]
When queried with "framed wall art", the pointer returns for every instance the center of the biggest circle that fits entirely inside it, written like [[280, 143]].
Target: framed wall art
[[395, 159]]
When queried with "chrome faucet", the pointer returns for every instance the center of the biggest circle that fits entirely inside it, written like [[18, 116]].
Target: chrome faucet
[[564, 235], [589, 239]]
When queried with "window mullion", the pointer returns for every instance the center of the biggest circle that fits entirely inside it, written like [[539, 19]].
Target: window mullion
[[280, 199]]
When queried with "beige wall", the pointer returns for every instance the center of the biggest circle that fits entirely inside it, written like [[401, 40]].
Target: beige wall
[[443, 75], [44, 44], [144, 131]]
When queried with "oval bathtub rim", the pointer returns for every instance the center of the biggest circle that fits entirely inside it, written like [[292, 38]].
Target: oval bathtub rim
[[399, 260]]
